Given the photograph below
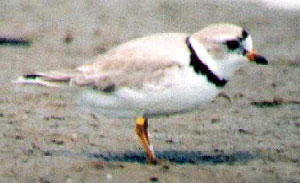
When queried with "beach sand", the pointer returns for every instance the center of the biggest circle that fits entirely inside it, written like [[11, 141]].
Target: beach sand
[[250, 133]]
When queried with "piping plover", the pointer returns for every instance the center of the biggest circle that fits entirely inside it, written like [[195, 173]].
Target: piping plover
[[157, 75]]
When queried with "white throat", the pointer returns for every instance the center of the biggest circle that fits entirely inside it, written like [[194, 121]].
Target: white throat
[[224, 69], [206, 58]]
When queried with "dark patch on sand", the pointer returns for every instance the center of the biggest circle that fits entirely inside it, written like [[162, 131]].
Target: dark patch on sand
[[14, 41], [180, 157]]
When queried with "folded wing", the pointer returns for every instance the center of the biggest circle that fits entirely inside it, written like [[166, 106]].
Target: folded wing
[[105, 75]]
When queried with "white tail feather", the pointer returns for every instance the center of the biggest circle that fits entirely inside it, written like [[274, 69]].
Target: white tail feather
[[50, 79], [38, 81]]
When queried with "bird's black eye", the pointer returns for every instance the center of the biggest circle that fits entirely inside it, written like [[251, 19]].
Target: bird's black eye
[[232, 44]]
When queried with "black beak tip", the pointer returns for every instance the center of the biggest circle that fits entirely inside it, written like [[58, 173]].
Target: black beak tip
[[261, 60]]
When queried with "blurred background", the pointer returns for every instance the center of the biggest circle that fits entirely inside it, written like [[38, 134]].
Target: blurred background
[[251, 135]]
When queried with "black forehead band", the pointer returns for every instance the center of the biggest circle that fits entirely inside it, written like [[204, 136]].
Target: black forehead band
[[244, 34]]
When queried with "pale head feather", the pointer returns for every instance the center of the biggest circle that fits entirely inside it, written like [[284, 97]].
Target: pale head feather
[[213, 39]]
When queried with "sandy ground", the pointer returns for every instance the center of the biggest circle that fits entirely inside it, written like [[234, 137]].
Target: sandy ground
[[251, 135]]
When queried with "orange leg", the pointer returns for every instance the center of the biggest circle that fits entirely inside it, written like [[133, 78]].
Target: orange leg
[[141, 130]]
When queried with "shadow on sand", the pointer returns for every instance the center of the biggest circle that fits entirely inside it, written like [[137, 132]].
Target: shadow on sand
[[181, 157]]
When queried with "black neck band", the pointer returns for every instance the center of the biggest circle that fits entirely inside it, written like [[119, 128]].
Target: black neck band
[[201, 68]]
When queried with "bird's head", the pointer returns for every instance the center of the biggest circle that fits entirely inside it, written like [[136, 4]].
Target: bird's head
[[228, 46]]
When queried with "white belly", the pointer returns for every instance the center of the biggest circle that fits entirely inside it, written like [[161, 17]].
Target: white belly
[[178, 93]]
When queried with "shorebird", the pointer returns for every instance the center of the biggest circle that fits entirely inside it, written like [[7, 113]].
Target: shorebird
[[157, 75]]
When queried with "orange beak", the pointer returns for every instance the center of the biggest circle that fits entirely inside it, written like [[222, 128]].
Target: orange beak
[[258, 59]]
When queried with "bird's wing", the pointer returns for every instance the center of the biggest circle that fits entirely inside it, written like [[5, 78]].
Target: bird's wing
[[105, 75]]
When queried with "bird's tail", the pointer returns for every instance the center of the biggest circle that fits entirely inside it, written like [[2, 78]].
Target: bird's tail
[[49, 79]]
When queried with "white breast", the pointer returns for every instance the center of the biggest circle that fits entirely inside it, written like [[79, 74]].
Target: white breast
[[180, 91]]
